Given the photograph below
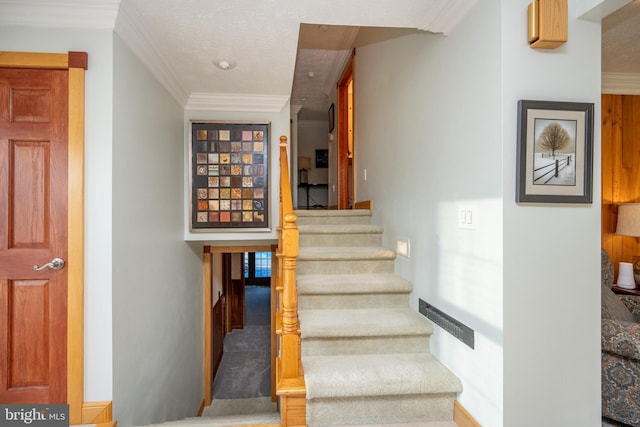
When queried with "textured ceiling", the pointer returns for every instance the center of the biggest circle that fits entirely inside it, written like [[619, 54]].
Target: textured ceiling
[[309, 36], [260, 37], [621, 40], [323, 51], [274, 44]]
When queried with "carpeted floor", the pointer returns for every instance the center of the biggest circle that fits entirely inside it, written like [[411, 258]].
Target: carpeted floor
[[252, 405], [245, 369]]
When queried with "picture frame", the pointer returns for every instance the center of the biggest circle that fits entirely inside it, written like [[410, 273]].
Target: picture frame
[[331, 118], [322, 158], [229, 176], [554, 152]]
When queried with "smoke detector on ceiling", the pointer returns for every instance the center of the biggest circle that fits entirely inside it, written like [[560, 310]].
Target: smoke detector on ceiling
[[224, 64]]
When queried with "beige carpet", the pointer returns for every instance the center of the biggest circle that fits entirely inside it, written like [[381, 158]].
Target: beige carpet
[[256, 405], [365, 352]]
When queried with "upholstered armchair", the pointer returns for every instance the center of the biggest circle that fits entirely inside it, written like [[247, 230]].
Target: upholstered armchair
[[620, 351]]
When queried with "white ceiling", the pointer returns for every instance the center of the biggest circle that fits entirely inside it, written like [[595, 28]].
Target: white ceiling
[[260, 38], [274, 44], [621, 40]]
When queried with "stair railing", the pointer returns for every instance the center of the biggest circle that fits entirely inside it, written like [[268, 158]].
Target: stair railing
[[289, 374]]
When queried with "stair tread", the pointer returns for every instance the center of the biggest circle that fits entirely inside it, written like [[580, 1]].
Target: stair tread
[[347, 253], [362, 323], [332, 212], [413, 424], [377, 375], [362, 354], [319, 284], [227, 420], [340, 229]]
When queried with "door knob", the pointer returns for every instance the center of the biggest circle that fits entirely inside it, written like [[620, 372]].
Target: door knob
[[55, 264]]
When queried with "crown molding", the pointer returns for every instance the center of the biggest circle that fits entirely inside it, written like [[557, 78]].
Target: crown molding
[[596, 10], [450, 14], [130, 30], [340, 61], [621, 83], [236, 102], [295, 109], [93, 14]]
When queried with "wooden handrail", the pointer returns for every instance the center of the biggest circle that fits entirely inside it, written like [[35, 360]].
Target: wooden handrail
[[285, 185], [290, 382]]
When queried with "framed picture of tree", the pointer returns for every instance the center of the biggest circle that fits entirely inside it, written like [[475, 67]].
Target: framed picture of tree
[[555, 152]]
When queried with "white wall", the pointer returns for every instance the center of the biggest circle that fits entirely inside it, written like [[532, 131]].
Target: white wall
[[157, 277], [551, 291], [439, 135], [430, 140], [279, 122], [98, 160]]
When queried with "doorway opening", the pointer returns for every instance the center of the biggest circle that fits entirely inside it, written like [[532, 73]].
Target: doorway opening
[[241, 337]]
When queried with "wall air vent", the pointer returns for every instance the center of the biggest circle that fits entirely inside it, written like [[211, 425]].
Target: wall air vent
[[446, 322]]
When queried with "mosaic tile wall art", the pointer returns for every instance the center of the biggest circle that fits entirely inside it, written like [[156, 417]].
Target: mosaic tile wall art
[[229, 175]]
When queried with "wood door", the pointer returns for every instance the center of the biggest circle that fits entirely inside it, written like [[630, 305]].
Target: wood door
[[236, 304], [345, 134], [33, 231]]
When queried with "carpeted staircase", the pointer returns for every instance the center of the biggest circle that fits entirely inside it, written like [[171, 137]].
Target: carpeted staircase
[[365, 352]]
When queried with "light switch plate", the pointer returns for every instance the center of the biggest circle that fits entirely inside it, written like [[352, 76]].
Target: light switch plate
[[468, 217]]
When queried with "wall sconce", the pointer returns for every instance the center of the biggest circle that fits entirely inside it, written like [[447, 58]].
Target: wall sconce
[[304, 164], [548, 22], [628, 225]]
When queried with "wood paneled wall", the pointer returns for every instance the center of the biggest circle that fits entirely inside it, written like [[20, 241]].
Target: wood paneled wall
[[620, 171]]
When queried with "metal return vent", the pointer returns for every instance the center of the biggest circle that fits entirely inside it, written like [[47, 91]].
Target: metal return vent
[[446, 322]]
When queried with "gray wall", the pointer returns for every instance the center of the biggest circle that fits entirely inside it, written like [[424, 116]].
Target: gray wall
[[440, 135], [157, 277]]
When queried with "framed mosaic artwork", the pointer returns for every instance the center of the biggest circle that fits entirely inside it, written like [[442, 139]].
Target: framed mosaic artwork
[[229, 176]]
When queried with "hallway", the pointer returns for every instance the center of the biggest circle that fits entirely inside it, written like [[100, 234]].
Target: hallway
[[245, 370]]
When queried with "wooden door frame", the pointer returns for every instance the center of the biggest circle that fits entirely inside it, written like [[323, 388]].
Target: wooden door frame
[[208, 313], [343, 134], [76, 64]]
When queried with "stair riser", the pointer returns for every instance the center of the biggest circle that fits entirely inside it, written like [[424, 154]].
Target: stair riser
[[342, 301], [333, 220], [365, 345], [392, 372], [380, 410], [344, 266], [341, 240], [225, 420]]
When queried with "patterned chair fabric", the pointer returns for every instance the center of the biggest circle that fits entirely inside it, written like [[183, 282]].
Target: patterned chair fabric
[[620, 352]]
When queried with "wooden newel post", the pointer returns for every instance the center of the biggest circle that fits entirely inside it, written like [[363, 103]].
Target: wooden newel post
[[290, 382], [288, 243], [290, 323]]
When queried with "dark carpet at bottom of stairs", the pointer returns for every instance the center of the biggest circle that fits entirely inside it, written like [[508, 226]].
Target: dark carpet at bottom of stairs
[[245, 369]]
